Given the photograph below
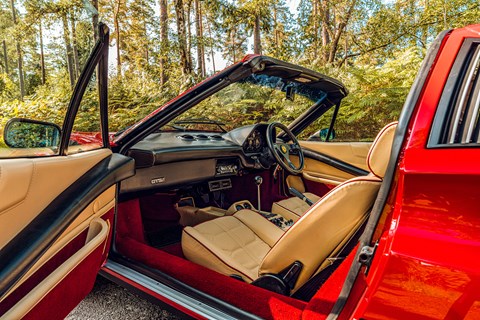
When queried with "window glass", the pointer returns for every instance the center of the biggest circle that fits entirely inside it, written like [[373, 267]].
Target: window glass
[[54, 55], [86, 134]]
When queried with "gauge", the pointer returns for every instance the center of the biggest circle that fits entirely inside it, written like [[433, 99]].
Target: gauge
[[254, 142]]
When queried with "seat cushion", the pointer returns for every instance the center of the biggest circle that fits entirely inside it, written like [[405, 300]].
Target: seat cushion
[[293, 208], [225, 245]]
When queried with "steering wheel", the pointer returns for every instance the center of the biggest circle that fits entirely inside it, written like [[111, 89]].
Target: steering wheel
[[281, 151]]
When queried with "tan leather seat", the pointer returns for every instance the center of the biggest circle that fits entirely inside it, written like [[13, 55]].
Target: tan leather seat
[[294, 207], [248, 245]]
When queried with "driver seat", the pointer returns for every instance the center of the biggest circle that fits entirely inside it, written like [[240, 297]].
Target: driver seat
[[248, 246]]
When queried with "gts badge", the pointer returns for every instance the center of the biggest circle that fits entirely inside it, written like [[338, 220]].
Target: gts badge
[[157, 180]]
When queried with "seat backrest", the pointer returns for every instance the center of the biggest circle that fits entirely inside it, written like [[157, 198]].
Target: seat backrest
[[332, 219]]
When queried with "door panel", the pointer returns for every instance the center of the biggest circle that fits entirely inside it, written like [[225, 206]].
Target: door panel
[[328, 164], [100, 208], [27, 186], [51, 264], [317, 171], [48, 293], [354, 153]]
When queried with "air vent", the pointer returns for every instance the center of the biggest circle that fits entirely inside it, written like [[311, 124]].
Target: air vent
[[201, 137], [186, 137], [216, 137]]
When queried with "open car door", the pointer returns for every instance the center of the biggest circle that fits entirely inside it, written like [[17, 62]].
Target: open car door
[[57, 202]]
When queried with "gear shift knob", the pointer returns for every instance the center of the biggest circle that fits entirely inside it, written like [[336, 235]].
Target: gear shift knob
[[258, 182]]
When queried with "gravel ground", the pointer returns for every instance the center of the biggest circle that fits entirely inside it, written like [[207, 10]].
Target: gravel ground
[[109, 301]]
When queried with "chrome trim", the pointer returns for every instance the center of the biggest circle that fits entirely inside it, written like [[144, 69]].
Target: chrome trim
[[179, 298]]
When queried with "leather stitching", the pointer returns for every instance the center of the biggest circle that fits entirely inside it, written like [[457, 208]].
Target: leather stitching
[[213, 253]]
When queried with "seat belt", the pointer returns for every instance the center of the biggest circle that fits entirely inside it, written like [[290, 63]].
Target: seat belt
[[298, 194]]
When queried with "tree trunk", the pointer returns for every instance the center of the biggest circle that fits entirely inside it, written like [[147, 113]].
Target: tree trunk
[[257, 46], [76, 62], [182, 38], [5, 56], [68, 47], [116, 24], [232, 38], [163, 40], [341, 28], [276, 37], [189, 34], [147, 53], [424, 37], [199, 34], [95, 21], [211, 47], [325, 29], [42, 54], [315, 26], [19, 54]]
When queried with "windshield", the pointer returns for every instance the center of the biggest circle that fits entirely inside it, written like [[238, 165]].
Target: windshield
[[255, 99]]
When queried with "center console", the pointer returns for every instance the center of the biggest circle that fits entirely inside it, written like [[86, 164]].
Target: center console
[[277, 219], [191, 215]]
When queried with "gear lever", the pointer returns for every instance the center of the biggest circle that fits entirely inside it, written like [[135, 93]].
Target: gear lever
[[258, 182]]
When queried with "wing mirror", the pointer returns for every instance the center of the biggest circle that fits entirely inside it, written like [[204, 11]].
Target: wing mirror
[[27, 133]]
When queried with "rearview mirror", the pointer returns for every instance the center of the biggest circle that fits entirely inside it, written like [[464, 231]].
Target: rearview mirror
[[290, 93], [27, 133]]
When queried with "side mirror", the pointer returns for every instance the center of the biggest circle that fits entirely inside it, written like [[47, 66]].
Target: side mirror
[[321, 135], [27, 133]]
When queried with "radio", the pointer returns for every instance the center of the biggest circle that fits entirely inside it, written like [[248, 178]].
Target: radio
[[226, 168]]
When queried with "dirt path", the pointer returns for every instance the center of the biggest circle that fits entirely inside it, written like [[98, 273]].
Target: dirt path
[[108, 301]]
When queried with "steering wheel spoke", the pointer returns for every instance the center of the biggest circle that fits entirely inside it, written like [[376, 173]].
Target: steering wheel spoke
[[295, 148], [281, 151]]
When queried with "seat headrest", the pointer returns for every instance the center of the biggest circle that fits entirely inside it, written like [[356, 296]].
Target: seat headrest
[[379, 153]]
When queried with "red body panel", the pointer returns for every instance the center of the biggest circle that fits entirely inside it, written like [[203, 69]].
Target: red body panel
[[427, 265]]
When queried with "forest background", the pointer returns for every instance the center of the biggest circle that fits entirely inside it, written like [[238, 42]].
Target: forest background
[[159, 48]]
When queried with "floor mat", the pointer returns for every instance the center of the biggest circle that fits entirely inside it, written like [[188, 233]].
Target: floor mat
[[166, 236], [174, 249]]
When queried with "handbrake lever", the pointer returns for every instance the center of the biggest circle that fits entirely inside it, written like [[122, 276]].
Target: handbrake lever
[[298, 194]]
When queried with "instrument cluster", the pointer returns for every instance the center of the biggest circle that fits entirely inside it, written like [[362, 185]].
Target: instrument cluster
[[254, 142]]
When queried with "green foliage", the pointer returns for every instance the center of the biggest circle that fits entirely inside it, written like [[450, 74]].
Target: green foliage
[[374, 47], [377, 94]]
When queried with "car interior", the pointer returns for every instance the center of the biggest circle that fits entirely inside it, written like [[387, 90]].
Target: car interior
[[247, 217]]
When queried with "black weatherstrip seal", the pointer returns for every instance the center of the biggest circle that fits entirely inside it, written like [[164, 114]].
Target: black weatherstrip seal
[[19, 255], [400, 134], [336, 163]]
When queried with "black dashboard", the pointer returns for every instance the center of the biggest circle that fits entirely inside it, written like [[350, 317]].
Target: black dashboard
[[173, 158]]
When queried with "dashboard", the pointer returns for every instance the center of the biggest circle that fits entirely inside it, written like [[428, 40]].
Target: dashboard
[[174, 158]]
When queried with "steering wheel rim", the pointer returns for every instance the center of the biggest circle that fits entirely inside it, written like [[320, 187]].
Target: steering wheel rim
[[281, 150]]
